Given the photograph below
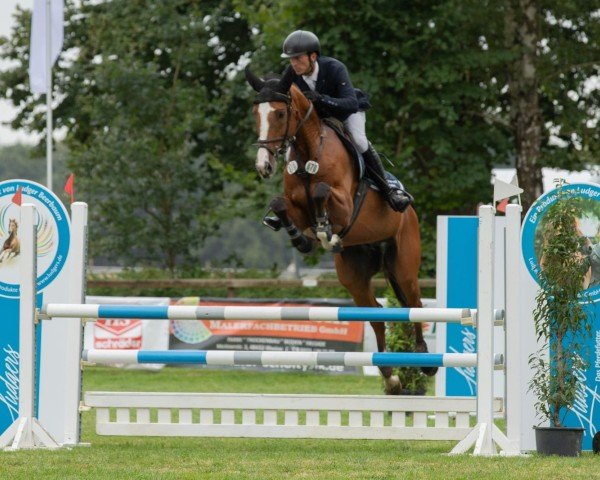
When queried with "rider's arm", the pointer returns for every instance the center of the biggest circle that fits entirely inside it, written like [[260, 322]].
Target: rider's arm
[[345, 101]]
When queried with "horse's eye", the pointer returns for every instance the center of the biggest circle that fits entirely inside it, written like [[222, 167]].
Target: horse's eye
[[280, 115]]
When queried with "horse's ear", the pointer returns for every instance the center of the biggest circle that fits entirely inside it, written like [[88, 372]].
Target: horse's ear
[[286, 80], [255, 82]]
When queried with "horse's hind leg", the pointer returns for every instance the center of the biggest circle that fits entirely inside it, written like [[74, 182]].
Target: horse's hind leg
[[402, 260], [355, 267], [302, 243]]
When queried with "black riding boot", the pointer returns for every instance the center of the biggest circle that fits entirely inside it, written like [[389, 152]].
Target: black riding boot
[[398, 199]]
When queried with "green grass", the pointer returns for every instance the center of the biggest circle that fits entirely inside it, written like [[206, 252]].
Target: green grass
[[198, 458]]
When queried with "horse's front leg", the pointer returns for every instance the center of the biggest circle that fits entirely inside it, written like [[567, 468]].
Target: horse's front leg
[[301, 242], [329, 240]]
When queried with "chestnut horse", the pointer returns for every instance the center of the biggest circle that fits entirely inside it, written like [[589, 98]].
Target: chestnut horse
[[320, 185], [11, 245]]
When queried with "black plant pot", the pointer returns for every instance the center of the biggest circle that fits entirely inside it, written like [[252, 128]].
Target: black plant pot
[[562, 441]]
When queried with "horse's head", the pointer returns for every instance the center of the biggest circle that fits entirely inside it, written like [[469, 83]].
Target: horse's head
[[12, 225], [273, 113]]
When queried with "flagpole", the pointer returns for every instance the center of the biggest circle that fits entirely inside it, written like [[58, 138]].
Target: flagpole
[[48, 95]]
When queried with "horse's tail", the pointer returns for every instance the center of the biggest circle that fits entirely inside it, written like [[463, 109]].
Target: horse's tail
[[389, 261]]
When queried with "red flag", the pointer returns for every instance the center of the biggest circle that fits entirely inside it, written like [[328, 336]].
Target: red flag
[[502, 205], [69, 188], [18, 197]]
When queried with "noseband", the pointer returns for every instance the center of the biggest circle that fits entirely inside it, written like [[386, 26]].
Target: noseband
[[286, 140]]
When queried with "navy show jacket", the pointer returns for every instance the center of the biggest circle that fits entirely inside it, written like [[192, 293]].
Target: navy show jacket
[[339, 98]]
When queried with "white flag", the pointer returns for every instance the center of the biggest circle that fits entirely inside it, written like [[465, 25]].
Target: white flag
[[39, 39], [504, 190]]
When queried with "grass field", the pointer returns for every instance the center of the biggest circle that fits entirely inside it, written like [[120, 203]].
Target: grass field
[[190, 458]]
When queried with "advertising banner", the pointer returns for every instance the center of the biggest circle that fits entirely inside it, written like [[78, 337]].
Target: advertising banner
[[53, 240], [128, 334], [586, 411], [456, 287], [268, 334]]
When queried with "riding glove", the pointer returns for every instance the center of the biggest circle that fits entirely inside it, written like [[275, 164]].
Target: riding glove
[[313, 96]]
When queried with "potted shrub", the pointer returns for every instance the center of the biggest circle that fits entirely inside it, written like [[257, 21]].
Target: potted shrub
[[561, 324]]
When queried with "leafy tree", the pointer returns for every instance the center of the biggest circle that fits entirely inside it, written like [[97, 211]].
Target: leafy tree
[[153, 120], [552, 104], [158, 120], [431, 89], [460, 87]]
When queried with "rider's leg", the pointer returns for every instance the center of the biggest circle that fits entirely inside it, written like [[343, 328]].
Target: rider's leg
[[398, 199]]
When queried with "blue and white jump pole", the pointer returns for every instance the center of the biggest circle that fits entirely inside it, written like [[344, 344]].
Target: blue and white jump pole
[[234, 313], [263, 358]]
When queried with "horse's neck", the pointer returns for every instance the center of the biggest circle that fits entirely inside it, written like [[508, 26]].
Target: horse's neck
[[308, 138]]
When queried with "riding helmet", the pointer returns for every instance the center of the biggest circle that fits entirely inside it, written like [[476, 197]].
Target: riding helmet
[[299, 43]]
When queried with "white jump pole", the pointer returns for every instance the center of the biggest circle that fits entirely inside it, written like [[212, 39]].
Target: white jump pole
[[26, 431]]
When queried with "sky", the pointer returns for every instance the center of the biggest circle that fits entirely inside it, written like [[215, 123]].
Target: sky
[[7, 112]]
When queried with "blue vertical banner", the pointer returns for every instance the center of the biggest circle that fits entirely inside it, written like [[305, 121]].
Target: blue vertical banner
[[53, 238], [9, 361], [586, 410], [461, 293]]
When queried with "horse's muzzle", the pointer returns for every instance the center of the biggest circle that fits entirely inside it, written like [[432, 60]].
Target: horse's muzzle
[[265, 169]]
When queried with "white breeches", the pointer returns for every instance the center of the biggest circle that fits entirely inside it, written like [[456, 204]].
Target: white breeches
[[355, 124]]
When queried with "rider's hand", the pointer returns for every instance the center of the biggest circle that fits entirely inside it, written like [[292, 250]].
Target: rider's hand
[[313, 96]]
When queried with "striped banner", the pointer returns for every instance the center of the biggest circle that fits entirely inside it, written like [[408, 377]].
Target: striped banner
[[232, 357], [181, 312]]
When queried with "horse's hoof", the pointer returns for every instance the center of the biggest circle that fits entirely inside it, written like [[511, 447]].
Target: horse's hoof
[[392, 385], [429, 371]]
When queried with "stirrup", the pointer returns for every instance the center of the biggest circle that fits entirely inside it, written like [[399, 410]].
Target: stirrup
[[274, 223], [399, 200]]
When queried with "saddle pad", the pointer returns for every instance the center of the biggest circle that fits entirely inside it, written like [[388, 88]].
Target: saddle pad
[[392, 181]]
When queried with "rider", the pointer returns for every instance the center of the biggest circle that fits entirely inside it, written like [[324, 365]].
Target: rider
[[325, 82]]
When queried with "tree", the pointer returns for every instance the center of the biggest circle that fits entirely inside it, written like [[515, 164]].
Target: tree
[[553, 108], [432, 92], [155, 126], [461, 87]]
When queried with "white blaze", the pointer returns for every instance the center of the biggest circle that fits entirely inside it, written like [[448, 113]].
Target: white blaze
[[262, 157]]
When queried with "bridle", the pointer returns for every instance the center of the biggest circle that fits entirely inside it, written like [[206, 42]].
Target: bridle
[[286, 140]]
